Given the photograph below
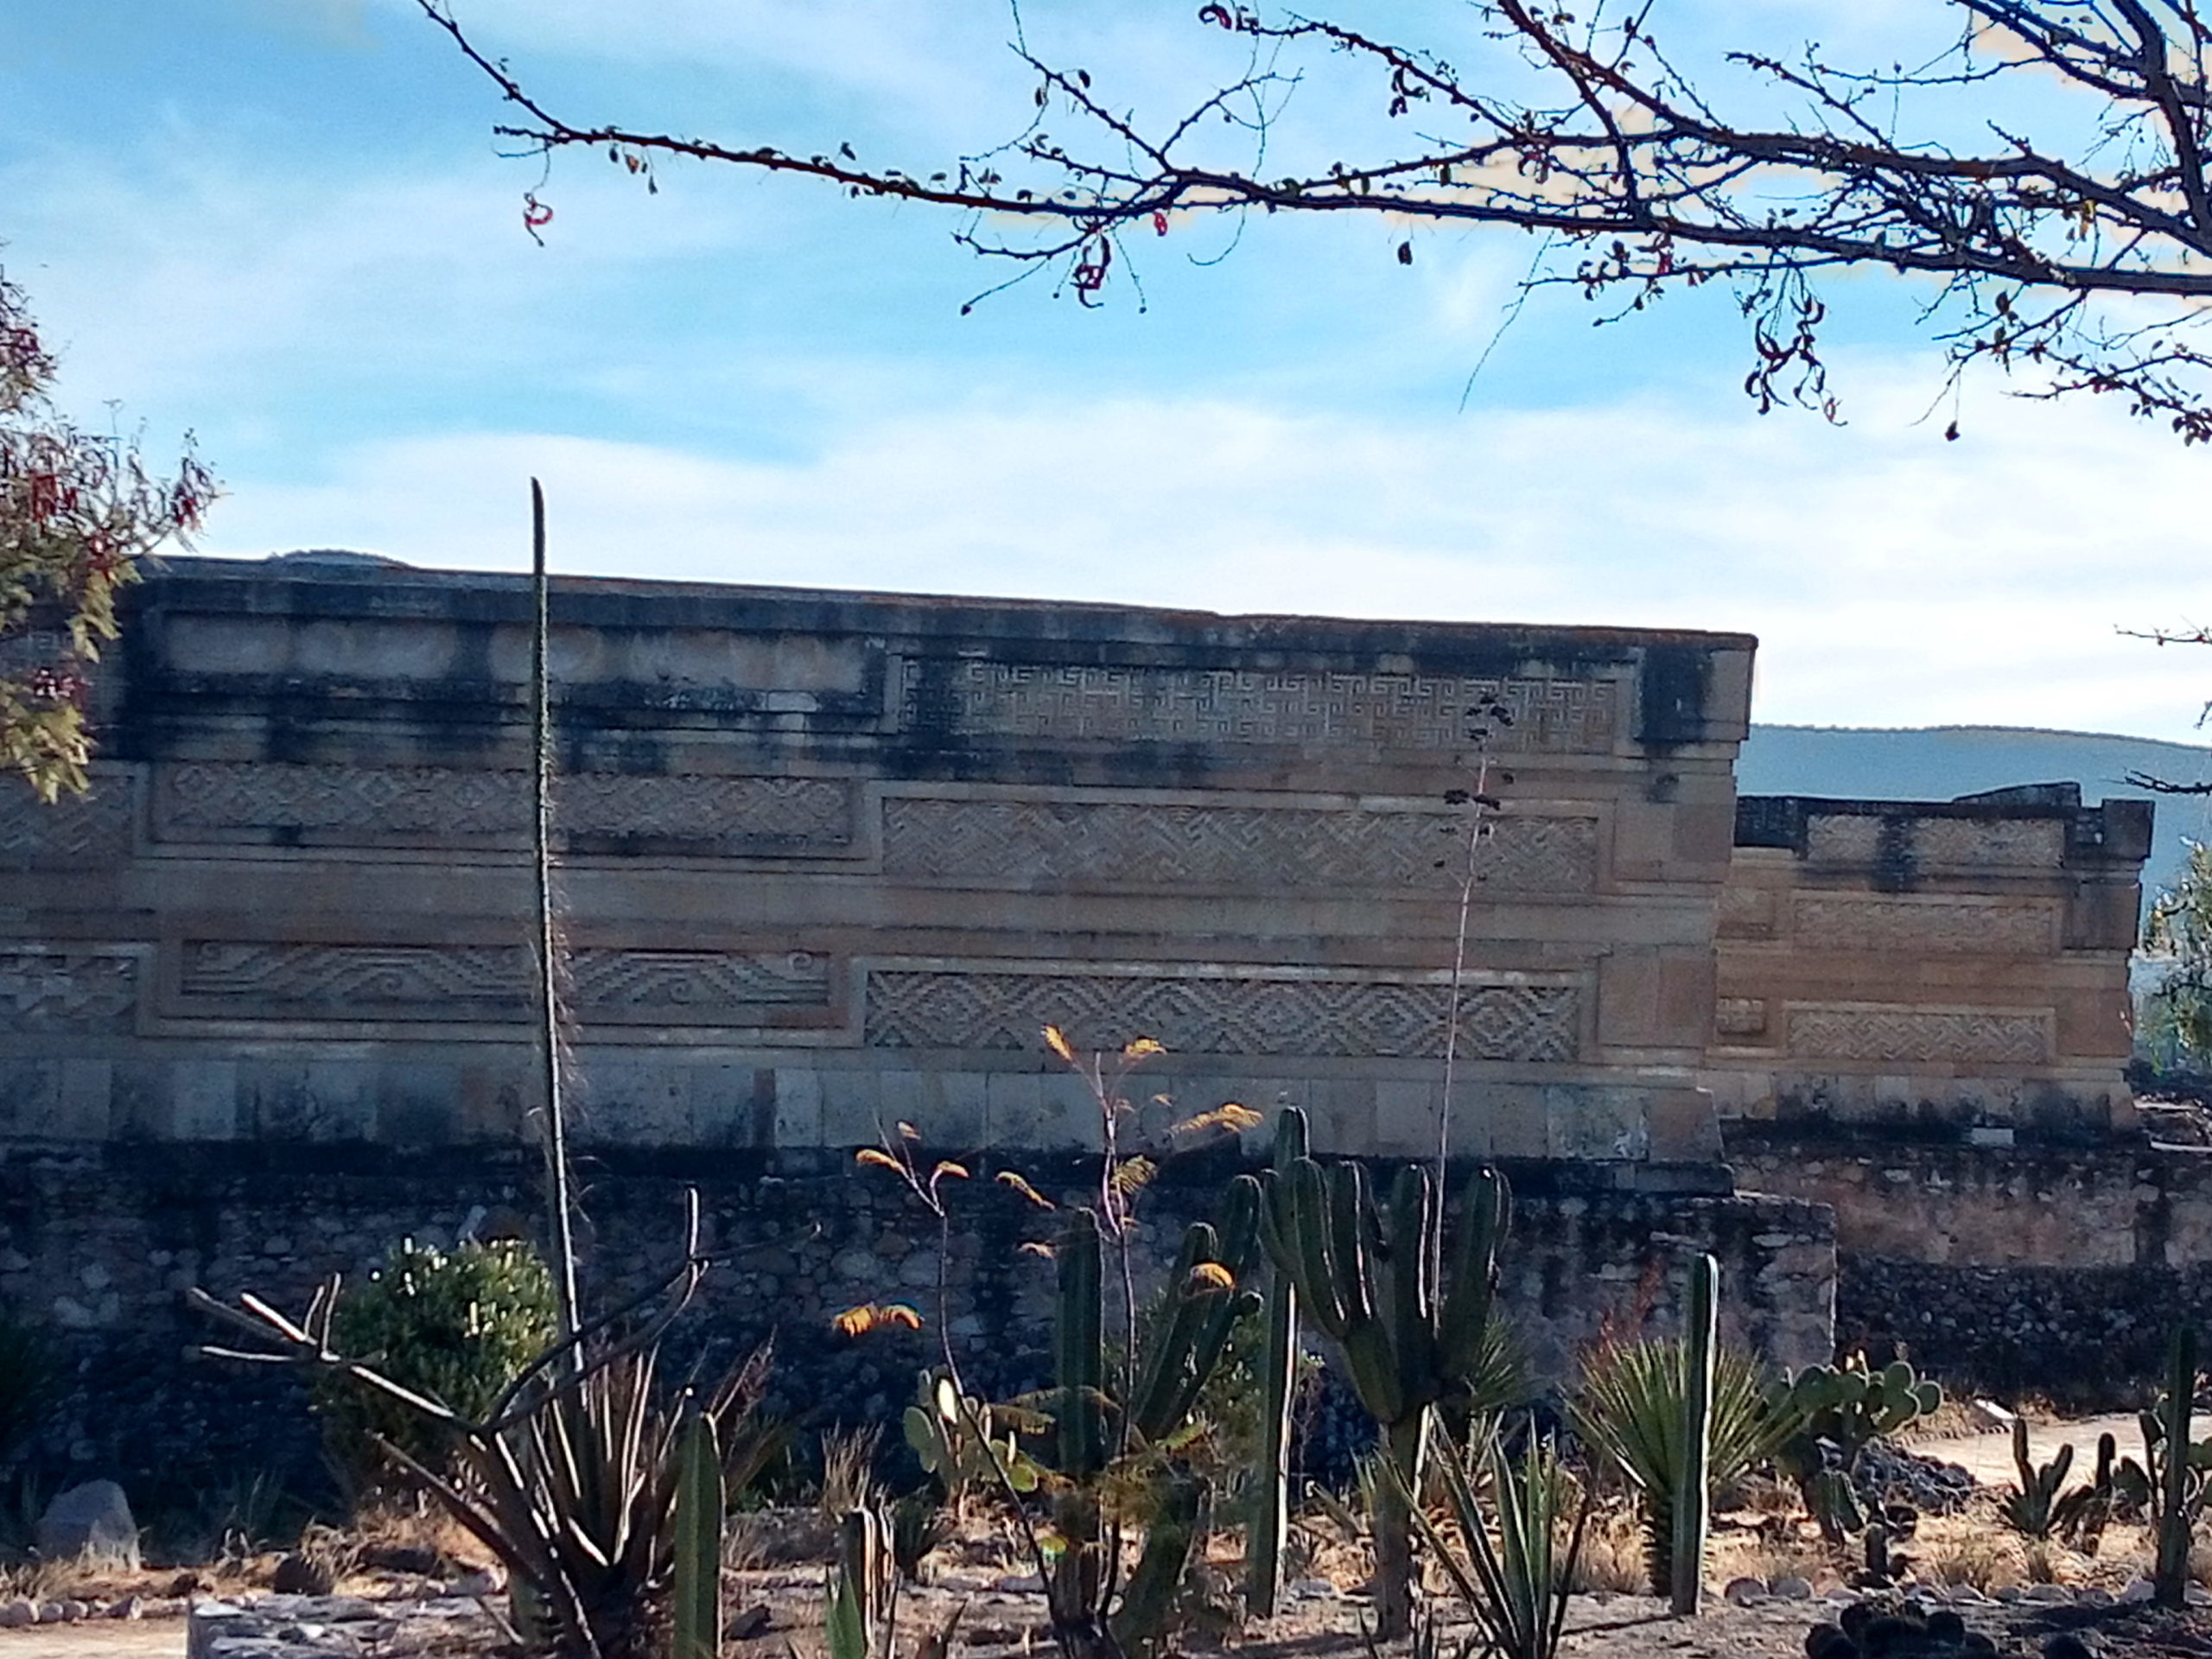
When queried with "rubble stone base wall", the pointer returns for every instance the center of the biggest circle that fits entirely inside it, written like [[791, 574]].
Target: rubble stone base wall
[[2059, 1270], [98, 1249]]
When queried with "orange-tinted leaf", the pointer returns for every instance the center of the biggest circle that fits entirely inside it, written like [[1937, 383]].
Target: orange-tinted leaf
[[881, 1160], [1142, 1048], [875, 1315], [948, 1167], [1229, 1115], [1059, 1044], [1008, 1178], [907, 1131], [1131, 1174], [1211, 1275], [1035, 1248]]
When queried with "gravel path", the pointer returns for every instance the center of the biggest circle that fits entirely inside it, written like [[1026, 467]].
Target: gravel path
[[1989, 1457], [96, 1638]]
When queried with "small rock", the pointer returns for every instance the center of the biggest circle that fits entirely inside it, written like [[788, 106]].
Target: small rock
[[1965, 1595], [16, 1613], [1742, 1593], [90, 1521], [752, 1622], [49, 1612], [480, 1585], [2137, 1590], [73, 1610], [2094, 1596], [2197, 1596], [1792, 1589], [1019, 1584], [129, 1607], [2008, 1592], [2046, 1594], [1315, 1589], [302, 1575]]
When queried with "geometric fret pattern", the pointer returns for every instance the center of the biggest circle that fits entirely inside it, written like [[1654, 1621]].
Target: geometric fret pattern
[[77, 830], [1287, 706], [2024, 927], [431, 981], [66, 987], [1906, 1036], [439, 804], [1250, 1014], [1041, 843]]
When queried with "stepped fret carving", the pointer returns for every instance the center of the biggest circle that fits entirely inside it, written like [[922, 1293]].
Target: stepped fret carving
[[1185, 705], [1006, 1009], [2024, 928], [441, 806], [1036, 844], [428, 981], [67, 987], [1739, 1016], [1914, 1036]]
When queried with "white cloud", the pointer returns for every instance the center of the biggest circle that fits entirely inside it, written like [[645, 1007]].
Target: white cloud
[[1893, 578]]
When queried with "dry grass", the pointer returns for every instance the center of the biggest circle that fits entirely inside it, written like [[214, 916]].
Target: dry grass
[[849, 1471], [1612, 1555], [1981, 1558]]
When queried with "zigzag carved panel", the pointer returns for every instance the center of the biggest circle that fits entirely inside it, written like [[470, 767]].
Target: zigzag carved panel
[[1188, 705], [1930, 926], [1047, 843], [65, 988], [1006, 1010], [459, 981], [435, 805], [77, 830], [1914, 1036]]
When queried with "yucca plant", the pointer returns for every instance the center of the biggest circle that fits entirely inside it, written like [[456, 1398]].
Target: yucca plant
[[1630, 1412], [1513, 1564]]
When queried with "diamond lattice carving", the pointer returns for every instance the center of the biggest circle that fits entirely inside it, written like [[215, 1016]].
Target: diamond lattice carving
[[1006, 1009], [1047, 843], [1190, 705], [1918, 1036], [68, 988]]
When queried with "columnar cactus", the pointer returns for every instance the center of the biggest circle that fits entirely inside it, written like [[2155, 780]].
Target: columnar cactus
[[1694, 1496], [696, 1592], [2176, 1511], [1266, 1527], [1362, 1275]]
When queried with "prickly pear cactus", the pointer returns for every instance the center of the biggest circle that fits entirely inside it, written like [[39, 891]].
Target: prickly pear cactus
[[1841, 1409]]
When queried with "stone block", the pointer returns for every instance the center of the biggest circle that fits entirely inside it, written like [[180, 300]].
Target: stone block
[[1520, 1121], [633, 1102], [853, 1112], [799, 1106], [1406, 1119], [30, 1097], [91, 1522], [417, 1103], [204, 1098], [1684, 1127], [84, 1098], [729, 1106], [1341, 1116], [1602, 1121]]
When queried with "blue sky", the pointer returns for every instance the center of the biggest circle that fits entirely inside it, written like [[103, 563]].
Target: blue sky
[[283, 224]]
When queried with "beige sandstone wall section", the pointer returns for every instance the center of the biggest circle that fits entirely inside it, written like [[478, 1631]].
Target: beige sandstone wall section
[[830, 860], [1960, 964]]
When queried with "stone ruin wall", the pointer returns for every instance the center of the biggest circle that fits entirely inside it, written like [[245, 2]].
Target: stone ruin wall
[[832, 862], [1916, 964], [828, 862]]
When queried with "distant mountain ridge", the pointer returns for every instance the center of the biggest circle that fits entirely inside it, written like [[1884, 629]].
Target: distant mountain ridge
[[1937, 763]]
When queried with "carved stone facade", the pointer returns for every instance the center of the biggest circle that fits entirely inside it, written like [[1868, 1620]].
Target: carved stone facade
[[1960, 964], [829, 861]]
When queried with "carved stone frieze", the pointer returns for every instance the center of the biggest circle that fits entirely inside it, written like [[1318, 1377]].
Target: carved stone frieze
[[438, 805], [978, 697], [1044, 843], [1905, 1036], [459, 981], [1254, 1013], [67, 987], [1739, 1017], [2026, 927], [76, 831]]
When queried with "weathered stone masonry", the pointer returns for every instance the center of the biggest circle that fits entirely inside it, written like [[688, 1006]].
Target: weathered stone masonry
[[830, 862]]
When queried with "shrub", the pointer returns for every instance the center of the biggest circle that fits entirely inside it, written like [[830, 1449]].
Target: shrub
[[457, 1325]]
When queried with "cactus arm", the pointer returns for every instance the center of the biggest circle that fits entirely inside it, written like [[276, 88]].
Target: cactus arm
[[1467, 1293], [1407, 1328], [696, 1593], [1267, 1526], [1167, 1365]]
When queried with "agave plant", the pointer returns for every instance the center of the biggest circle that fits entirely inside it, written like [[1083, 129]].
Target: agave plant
[[1630, 1412], [1514, 1567]]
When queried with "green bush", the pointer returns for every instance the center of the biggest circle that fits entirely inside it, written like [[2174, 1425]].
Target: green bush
[[457, 1325]]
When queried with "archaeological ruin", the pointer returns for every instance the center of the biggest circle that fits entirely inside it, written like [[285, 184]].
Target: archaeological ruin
[[832, 862]]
